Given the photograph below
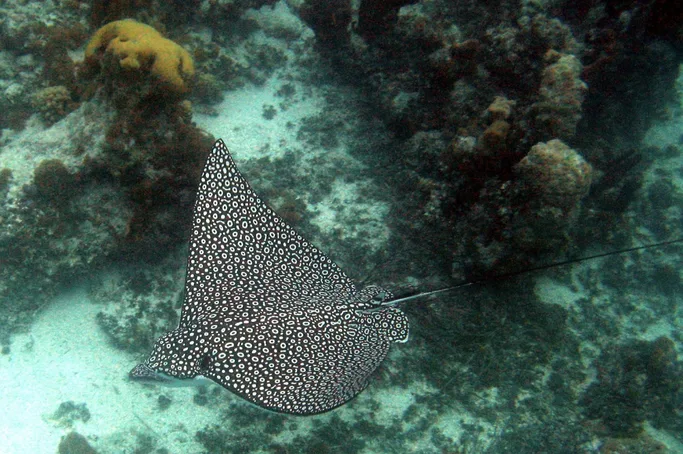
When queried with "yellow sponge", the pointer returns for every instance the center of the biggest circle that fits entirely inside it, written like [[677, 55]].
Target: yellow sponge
[[140, 47]]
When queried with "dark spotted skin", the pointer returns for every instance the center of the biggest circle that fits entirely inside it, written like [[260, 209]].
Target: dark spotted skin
[[266, 314]]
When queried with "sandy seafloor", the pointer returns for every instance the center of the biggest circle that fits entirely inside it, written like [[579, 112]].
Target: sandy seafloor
[[65, 356]]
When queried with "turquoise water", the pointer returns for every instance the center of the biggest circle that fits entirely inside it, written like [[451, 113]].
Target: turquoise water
[[418, 146]]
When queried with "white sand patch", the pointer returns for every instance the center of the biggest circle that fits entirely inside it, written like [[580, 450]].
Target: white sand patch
[[66, 357], [664, 437], [551, 291], [345, 212], [662, 328], [244, 129], [393, 403], [240, 119]]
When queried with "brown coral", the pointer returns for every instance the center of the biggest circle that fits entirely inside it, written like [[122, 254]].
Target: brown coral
[[494, 137], [561, 96], [557, 173], [500, 108], [53, 103]]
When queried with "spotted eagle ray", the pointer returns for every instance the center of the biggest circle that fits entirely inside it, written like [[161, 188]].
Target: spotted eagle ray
[[266, 314]]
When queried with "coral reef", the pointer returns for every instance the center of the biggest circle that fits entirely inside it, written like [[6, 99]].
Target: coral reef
[[139, 51], [555, 174], [58, 220], [207, 89], [151, 146], [630, 70], [127, 187], [433, 67], [558, 110], [500, 109], [156, 155], [511, 208], [53, 103]]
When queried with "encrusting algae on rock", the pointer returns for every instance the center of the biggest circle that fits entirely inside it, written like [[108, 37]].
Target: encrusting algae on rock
[[139, 47]]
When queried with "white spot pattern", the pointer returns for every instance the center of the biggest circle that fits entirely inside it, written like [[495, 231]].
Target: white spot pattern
[[266, 314]]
